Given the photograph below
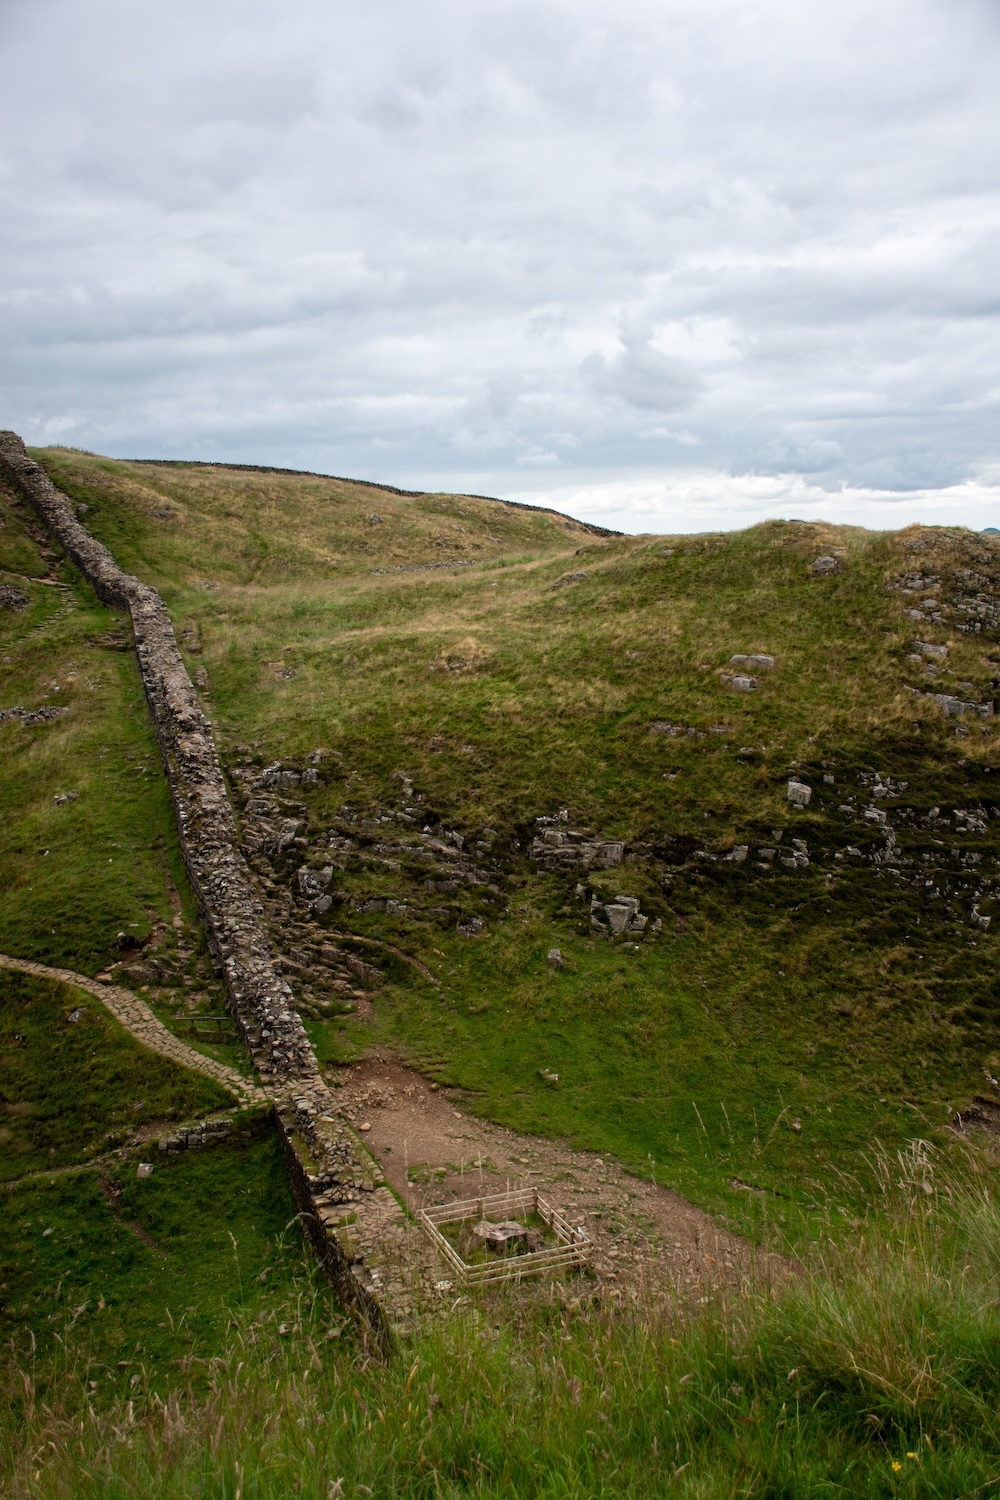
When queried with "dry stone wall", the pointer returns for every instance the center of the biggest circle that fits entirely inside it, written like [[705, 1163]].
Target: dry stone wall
[[344, 1201]]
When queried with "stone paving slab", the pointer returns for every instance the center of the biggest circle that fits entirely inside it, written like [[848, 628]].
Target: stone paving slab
[[137, 1018]]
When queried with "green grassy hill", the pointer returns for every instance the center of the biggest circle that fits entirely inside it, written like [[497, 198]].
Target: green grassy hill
[[449, 668], [456, 731]]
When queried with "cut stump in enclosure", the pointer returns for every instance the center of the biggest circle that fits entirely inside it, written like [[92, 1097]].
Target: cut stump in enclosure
[[486, 1239]]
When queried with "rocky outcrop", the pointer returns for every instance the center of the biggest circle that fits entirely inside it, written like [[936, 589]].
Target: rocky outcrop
[[334, 1179]]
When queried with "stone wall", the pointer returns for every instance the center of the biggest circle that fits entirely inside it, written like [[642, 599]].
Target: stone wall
[[334, 1179]]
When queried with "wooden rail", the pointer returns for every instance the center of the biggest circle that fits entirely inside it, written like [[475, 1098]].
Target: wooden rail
[[571, 1250]]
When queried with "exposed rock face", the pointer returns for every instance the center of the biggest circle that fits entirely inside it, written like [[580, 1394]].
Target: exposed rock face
[[567, 848], [12, 598], [612, 919], [331, 1177]]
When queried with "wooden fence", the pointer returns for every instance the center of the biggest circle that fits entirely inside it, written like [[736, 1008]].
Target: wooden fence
[[570, 1251]]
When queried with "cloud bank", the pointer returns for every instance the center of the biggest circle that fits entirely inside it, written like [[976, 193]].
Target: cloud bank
[[672, 265]]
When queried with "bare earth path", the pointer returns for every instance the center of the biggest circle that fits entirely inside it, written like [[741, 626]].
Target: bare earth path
[[646, 1238], [135, 1015]]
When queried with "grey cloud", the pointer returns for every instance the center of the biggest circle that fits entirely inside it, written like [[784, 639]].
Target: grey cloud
[[438, 242], [643, 377]]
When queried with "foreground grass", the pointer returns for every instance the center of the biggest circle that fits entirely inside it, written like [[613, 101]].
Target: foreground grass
[[876, 1373], [117, 1285]]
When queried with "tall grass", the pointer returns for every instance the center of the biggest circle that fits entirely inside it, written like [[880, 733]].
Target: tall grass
[[874, 1372]]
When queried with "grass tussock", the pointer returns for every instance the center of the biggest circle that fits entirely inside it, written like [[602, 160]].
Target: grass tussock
[[875, 1372]]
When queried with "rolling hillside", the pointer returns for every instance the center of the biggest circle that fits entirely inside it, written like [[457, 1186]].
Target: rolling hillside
[[461, 730]]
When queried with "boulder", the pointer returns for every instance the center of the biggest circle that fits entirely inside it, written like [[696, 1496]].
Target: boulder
[[609, 855], [760, 663], [502, 1236], [741, 683], [799, 795], [555, 958], [821, 565]]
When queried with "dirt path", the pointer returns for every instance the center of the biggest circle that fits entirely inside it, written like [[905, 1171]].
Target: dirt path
[[137, 1018], [646, 1238]]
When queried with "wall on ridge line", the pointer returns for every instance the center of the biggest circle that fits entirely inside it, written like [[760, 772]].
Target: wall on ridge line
[[322, 1158]]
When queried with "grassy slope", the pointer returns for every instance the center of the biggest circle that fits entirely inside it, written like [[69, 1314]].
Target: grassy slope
[[70, 1087], [150, 1272], [875, 1375], [845, 1002], [73, 876]]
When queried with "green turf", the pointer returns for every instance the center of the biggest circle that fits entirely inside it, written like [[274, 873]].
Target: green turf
[[149, 1272], [74, 1083]]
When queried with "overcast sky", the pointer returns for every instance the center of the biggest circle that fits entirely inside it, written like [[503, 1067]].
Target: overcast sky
[[671, 265]]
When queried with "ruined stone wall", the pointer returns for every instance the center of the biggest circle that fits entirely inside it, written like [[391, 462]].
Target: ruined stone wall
[[332, 1178]]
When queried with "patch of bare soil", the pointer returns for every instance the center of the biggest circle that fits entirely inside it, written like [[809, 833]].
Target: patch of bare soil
[[646, 1238]]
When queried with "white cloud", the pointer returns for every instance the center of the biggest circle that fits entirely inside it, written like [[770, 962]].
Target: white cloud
[[587, 237]]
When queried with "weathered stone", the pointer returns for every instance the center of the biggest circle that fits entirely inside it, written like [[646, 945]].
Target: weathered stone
[[144, 1169], [555, 958], [618, 918], [501, 1236], [757, 662], [259, 997], [820, 565], [799, 795], [741, 683], [12, 598]]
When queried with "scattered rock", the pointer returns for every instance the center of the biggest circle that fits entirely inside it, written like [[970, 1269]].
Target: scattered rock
[[472, 928], [577, 577], [799, 795], [145, 1169], [313, 883], [375, 519], [925, 648], [612, 919], [555, 958], [737, 855], [65, 797], [743, 684], [12, 598], [821, 565], [759, 663], [955, 708], [30, 716]]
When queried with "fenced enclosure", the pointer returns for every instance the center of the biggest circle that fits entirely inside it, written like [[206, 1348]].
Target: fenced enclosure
[[570, 1245]]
